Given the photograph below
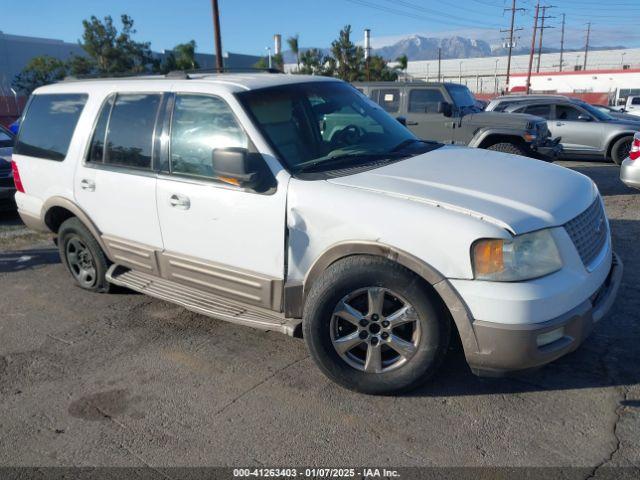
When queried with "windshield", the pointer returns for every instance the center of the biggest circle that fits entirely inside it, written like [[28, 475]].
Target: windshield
[[462, 96], [599, 114], [325, 125]]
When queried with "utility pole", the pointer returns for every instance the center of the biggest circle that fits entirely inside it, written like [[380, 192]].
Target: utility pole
[[216, 33], [586, 46], [367, 52], [511, 30], [439, 61], [542, 27], [533, 47], [562, 42]]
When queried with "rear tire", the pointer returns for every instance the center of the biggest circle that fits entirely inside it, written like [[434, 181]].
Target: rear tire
[[620, 149], [508, 147], [366, 352], [82, 255]]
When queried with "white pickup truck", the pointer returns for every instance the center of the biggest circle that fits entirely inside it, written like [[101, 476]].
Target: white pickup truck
[[632, 106]]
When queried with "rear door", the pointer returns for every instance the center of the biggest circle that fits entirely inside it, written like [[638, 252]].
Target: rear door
[[580, 136], [116, 184], [423, 117]]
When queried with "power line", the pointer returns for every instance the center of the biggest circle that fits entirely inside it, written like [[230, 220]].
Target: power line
[[542, 27], [513, 10], [586, 46], [413, 6], [533, 47]]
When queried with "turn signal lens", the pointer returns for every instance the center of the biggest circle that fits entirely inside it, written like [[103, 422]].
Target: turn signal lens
[[488, 257], [634, 153]]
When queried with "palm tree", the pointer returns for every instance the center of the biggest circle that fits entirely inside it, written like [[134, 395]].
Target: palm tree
[[293, 45]]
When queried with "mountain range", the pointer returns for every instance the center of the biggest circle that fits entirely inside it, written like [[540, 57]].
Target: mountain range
[[418, 47]]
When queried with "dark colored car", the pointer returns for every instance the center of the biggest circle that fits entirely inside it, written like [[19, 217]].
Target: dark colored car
[[7, 188]]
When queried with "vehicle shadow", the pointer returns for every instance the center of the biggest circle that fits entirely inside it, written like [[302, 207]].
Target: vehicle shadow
[[607, 177], [17, 260]]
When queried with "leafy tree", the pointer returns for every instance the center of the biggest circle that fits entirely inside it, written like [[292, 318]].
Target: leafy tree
[[263, 63], [40, 71], [380, 71], [182, 57], [115, 51], [403, 63], [277, 61], [313, 62], [80, 65], [349, 57], [294, 46]]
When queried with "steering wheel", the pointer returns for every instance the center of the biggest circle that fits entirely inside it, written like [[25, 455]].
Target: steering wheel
[[349, 135]]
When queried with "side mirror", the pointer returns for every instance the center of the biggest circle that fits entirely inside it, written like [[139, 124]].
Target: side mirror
[[584, 118], [402, 120], [235, 166], [445, 109]]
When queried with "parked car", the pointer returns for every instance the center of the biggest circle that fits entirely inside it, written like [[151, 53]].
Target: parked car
[[630, 169], [617, 113], [584, 130], [259, 200], [7, 188], [499, 104], [448, 113], [632, 105]]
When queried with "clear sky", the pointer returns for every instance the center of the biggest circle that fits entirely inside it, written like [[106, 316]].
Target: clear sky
[[248, 25]]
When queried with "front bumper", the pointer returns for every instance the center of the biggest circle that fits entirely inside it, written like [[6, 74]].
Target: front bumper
[[504, 348], [630, 173], [549, 149]]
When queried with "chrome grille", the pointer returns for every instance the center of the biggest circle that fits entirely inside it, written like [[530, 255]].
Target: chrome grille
[[589, 231]]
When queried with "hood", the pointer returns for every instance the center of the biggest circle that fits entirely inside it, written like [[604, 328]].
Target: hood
[[499, 119], [516, 193]]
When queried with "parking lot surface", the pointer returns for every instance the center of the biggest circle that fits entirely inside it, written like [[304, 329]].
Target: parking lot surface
[[128, 380]]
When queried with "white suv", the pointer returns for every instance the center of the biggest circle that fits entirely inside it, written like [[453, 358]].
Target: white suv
[[295, 204]]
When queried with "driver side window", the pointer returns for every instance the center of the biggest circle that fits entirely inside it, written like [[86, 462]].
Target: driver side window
[[566, 112], [200, 124]]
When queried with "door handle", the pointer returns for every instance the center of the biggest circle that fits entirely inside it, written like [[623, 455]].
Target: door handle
[[559, 124], [410, 122], [88, 185], [179, 201]]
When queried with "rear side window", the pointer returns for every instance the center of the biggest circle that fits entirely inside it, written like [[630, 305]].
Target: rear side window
[[387, 98], [96, 151], [425, 100], [49, 124], [543, 111], [129, 134], [635, 101]]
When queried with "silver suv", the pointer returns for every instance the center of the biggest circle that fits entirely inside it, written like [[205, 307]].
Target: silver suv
[[585, 131]]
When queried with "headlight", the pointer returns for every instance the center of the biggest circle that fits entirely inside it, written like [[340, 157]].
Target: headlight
[[524, 257]]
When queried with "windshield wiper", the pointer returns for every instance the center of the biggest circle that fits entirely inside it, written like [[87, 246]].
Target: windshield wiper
[[351, 158]]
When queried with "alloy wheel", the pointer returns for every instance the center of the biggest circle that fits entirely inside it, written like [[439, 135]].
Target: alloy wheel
[[81, 262], [375, 330]]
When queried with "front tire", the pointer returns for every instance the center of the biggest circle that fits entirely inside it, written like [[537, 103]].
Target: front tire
[[82, 255], [621, 149], [373, 326], [508, 147]]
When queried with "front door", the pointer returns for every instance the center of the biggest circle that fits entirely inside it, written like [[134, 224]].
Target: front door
[[217, 236], [580, 132], [423, 118], [116, 183]]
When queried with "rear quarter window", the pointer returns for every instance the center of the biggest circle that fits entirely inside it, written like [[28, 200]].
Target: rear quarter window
[[49, 124]]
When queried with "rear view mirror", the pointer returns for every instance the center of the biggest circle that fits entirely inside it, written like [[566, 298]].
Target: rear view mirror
[[445, 109], [235, 166], [402, 120]]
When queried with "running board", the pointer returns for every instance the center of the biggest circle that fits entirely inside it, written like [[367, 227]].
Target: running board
[[202, 302]]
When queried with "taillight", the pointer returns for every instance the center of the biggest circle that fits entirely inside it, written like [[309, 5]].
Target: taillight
[[634, 153], [16, 177]]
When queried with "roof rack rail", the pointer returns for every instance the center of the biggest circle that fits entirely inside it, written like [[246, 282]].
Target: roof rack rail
[[98, 76], [185, 73]]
